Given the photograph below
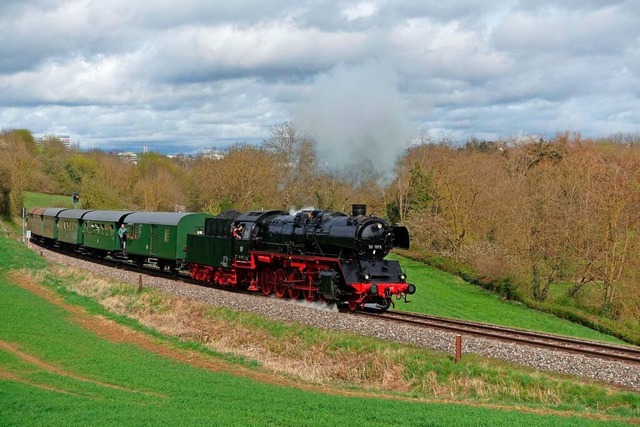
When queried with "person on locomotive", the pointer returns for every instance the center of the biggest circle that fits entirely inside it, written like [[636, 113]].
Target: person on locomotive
[[238, 230]]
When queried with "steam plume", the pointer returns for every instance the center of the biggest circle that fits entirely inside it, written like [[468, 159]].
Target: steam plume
[[358, 119]]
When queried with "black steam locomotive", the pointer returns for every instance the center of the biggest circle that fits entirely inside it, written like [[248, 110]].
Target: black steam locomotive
[[312, 254]]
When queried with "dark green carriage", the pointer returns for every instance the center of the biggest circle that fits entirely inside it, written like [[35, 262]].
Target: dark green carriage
[[34, 221], [101, 230], [161, 235], [215, 247], [71, 226], [50, 223]]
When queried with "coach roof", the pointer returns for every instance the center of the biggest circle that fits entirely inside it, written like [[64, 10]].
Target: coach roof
[[37, 211], [107, 216], [162, 218], [73, 213], [53, 211]]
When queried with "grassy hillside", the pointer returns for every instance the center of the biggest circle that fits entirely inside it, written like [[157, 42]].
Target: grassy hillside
[[443, 294], [35, 200], [60, 364]]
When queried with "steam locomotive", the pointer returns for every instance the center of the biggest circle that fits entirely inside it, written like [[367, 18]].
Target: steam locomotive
[[312, 254]]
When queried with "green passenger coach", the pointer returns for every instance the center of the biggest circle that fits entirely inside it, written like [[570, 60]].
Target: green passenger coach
[[71, 226], [34, 221], [50, 223], [101, 231], [161, 236]]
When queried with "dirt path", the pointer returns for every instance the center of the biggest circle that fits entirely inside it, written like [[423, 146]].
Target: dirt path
[[117, 333]]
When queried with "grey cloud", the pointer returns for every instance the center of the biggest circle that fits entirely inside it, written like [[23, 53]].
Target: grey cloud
[[357, 73], [592, 32]]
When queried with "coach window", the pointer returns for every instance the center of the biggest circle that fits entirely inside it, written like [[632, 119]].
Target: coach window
[[136, 231]]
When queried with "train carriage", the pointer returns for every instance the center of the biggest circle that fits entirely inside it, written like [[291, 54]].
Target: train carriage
[[50, 223], [101, 231], [34, 221], [71, 226], [161, 236]]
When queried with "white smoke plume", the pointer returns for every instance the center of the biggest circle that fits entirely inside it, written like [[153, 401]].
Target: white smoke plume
[[359, 120]]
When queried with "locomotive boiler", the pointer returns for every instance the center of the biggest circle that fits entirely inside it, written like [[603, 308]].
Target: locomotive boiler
[[334, 234]]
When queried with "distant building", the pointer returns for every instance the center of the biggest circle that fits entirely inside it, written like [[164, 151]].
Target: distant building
[[129, 156], [66, 139], [210, 154]]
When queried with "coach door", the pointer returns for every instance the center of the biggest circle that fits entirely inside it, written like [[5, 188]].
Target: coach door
[[154, 239]]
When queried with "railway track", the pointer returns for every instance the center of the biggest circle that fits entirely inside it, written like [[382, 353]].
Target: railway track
[[462, 327], [521, 336]]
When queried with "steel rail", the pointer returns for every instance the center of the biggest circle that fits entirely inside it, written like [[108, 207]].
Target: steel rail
[[522, 336]]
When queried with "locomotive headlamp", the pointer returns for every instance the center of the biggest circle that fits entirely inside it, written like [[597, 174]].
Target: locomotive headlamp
[[373, 289], [403, 276], [367, 276]]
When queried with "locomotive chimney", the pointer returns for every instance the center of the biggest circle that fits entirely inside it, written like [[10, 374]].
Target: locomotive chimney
[[357, 210]]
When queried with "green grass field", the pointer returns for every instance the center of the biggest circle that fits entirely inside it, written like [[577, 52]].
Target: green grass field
[[36, 200], [443, 294], [71, 376]]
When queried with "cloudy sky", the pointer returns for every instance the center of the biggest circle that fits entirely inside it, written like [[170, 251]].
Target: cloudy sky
[[189, 75]]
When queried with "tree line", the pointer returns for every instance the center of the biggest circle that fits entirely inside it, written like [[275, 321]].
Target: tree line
[[530, 214], [280, 173]]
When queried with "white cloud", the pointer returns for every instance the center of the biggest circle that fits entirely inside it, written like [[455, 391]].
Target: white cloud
[[360, 10]]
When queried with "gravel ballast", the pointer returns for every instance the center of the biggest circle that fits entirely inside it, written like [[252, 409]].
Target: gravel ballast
[[622, 374]]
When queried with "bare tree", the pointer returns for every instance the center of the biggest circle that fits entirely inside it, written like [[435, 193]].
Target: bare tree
[[295, 165], [20, 166]]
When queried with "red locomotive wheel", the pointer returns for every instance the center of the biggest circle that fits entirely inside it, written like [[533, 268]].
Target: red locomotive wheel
[[266, 281], [280, 286], [295, 278]]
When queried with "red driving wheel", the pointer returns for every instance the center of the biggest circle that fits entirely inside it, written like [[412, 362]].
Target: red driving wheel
[[279, 280], [295, 278], [266, 281]]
